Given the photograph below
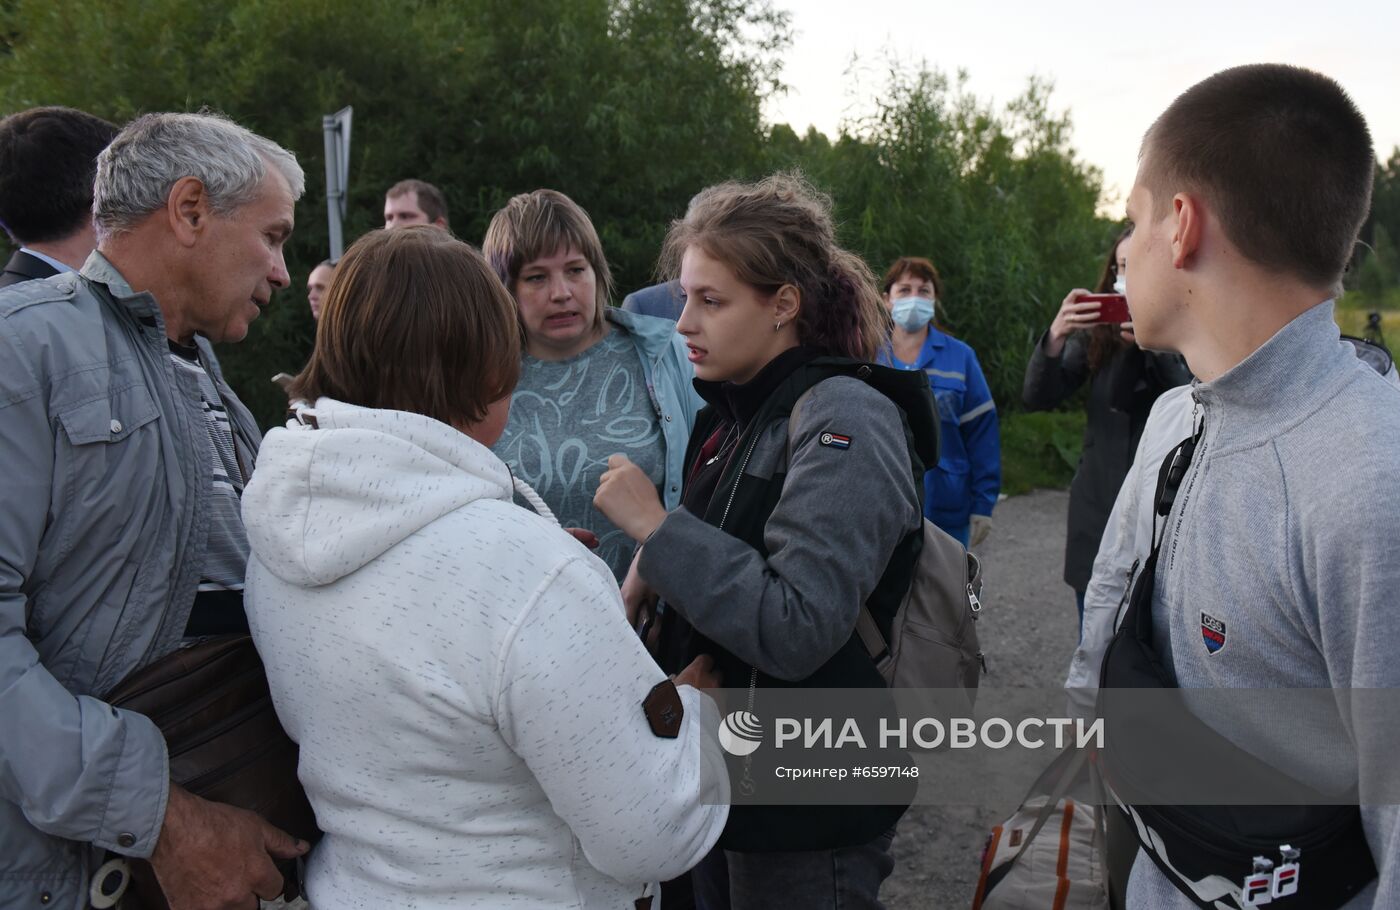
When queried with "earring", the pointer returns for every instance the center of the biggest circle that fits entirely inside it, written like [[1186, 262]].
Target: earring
[[777, 325]]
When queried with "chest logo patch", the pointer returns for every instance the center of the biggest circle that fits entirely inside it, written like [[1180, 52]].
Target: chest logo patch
[[1212, 632], [835, 440]]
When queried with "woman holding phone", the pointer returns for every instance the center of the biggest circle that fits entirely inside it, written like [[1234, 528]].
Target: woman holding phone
[[1090, 341], [751, 566]]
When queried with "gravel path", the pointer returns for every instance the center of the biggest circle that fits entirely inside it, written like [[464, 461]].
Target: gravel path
[[1028, 634]]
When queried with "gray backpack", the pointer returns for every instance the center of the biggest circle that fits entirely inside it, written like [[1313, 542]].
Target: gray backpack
[[933, 638]]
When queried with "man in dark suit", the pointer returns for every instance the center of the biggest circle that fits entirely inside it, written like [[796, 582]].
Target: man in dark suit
[[48, 157]]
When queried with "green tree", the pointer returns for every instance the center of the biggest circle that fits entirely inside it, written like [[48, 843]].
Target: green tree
[[996, 198], [1379, 271], [629, 106], [1374, 276]]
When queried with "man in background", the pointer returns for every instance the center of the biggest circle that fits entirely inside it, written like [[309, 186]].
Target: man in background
[[414, 202], [316, 284], [48, 156]]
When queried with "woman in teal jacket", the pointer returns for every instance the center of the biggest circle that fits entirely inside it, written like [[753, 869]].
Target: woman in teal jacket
[[961, 491], [594, 380]]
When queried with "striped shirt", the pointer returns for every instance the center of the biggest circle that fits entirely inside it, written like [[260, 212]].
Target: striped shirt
[[218, 604]]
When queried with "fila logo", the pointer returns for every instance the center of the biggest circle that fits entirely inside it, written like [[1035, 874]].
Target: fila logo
[[1259, 889], [1269, 882]]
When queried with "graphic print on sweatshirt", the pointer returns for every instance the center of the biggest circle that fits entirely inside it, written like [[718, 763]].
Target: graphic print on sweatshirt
[[567, 417]]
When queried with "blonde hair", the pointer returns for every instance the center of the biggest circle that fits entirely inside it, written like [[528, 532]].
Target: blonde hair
[[532, 225], [779, 231]]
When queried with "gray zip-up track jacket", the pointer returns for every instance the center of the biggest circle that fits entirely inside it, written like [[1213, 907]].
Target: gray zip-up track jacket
[[1283, 538]]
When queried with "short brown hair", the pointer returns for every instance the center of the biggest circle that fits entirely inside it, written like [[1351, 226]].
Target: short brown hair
[[917, 266], [414, 320], [430, 198], [779, 231], [1283, 157], [924, 270], [542, 223]]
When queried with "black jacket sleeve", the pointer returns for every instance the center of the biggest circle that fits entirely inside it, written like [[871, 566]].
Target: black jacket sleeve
[[1050, 380]]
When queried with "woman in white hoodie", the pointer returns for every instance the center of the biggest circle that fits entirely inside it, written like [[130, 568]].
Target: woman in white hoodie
[[458, 671]]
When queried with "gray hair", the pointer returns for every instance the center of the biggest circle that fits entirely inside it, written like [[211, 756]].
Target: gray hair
[[137, 171]]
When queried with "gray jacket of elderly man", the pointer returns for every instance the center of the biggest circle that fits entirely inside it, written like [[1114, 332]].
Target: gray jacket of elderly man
[[101, 538]]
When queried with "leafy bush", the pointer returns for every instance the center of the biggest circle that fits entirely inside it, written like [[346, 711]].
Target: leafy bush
[[996, 199], [1373, 281], [1040, 450], [629, 106]]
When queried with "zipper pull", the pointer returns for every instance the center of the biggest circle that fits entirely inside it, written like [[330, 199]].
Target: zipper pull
[[972, 599], [1132, 573], [1127, 593]]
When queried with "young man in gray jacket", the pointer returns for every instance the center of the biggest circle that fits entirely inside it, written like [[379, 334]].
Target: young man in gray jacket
[[124, 454], [1278, 565]]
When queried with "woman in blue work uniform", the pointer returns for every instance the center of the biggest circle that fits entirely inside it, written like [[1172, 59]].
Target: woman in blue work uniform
[[958, 494]]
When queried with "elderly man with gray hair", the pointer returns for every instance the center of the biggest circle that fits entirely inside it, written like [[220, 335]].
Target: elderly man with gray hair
[[124, 456]]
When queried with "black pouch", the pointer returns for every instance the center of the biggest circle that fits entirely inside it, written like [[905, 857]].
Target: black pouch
[[1208, 852]]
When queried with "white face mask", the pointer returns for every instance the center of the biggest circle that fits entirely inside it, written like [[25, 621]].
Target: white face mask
[[912, 313], [1120, 285]]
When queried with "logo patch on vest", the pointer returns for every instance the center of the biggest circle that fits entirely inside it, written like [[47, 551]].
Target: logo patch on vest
[[835, 440], [1212, 632]]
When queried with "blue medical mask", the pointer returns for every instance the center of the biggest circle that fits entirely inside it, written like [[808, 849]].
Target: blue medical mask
[[1120, 285], [912, 313]]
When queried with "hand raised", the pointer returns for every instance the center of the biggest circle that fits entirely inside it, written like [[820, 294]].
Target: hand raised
[[628, 498], [1073, 315]]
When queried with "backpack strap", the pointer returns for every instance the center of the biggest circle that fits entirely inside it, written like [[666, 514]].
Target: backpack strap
[[794, 415], [869, 632]]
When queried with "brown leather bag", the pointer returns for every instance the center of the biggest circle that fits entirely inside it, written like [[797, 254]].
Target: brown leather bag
[[211, 701]]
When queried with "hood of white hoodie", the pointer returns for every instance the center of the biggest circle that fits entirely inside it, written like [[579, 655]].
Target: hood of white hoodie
[[325, 501]]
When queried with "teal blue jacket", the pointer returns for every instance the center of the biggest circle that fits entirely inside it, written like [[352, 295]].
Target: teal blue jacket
[[668, 376]]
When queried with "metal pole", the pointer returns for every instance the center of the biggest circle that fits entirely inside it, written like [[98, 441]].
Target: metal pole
[[335, 193], [336, 129]]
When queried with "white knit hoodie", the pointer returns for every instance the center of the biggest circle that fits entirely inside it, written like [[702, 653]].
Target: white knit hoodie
[[462, 680]]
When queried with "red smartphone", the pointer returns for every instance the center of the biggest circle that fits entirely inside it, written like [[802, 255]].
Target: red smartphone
[[1113, 308]]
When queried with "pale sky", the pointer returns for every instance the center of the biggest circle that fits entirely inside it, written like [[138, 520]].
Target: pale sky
[[1114, 66]]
